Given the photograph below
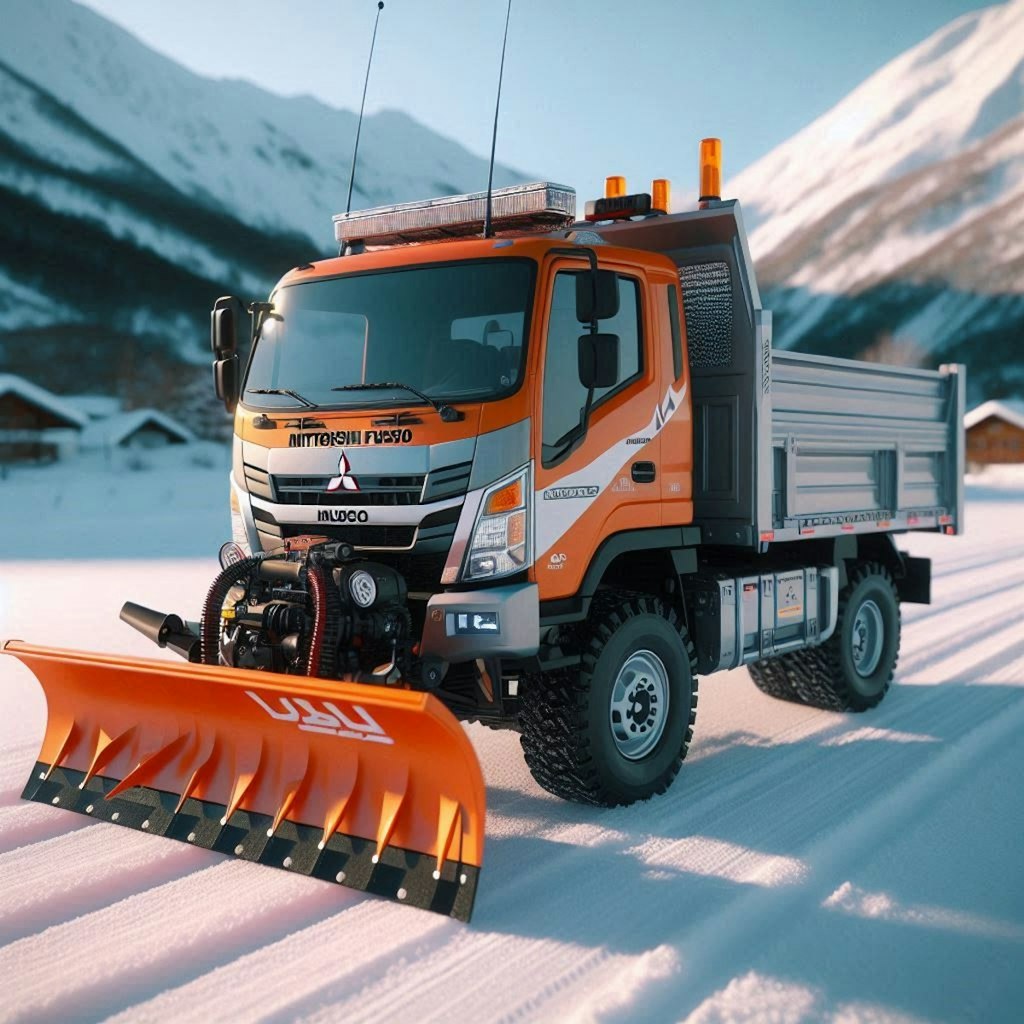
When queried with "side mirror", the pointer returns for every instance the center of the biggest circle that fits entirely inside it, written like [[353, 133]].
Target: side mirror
[[225, 381], [597, 295], [599, 360], [225, 321]]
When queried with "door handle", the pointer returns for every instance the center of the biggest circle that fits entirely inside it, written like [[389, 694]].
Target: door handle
[[643, 472]]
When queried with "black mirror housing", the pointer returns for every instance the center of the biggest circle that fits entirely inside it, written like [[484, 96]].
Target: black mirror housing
[[597, 295], [599, 360], [225, 381], [225, 322]]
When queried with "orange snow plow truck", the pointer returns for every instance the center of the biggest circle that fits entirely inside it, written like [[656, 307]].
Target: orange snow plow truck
[[540, 478]]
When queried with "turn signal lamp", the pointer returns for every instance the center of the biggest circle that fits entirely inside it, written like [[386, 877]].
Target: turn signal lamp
[[710, 169], [509, 497], [661, 194], [614, 186]]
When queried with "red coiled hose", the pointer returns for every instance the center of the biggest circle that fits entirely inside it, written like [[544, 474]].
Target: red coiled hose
[[323, 643], [209, 628]]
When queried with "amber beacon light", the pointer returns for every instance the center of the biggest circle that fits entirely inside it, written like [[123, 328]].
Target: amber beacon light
[[614, 186], [710, 169], [661, 194]]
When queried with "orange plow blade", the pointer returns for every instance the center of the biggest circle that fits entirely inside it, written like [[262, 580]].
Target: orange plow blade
[[372, 787]]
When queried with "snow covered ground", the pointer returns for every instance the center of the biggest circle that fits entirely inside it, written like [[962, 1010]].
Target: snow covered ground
[[805, 865]]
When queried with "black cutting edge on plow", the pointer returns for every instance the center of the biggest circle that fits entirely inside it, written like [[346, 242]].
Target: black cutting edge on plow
[[403, 876]]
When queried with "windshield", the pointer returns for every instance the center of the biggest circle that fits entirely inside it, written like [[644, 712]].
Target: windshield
[[454, 332]]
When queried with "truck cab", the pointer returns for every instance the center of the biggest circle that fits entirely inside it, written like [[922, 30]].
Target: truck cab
[[560, 427], [549, 439]]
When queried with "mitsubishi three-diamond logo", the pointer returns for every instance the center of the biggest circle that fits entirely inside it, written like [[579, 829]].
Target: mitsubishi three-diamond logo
[[343, 482]]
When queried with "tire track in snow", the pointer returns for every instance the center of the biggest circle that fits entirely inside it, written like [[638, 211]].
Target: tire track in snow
[[986, 627], [941, 607], [158, 938], [971, 564], [337, 954], [742, 926], [59, 879], [26, 822], [16, 762]]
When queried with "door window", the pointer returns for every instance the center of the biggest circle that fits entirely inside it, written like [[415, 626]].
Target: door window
[[565, 398]]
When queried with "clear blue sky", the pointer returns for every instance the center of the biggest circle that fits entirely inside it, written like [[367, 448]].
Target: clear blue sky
[[592, 87]]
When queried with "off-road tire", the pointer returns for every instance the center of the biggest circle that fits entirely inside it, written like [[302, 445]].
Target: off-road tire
[[825, 676], [566, 736]]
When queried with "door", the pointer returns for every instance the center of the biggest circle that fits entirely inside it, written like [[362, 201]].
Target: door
[[599, 475]]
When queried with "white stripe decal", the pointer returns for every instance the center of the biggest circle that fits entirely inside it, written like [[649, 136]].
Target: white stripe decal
[[554, 518]]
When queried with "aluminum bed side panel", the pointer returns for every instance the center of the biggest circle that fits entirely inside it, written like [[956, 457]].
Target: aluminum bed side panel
[[862, 445]]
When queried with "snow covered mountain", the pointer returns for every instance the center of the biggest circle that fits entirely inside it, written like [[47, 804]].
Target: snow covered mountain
[[895, 222], [134, 192]]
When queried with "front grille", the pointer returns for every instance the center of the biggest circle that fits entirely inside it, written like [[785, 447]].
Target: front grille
[[373, 490], [380, 491]]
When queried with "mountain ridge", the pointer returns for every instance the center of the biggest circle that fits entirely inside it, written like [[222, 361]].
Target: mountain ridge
[[136, 192], [896, 219]]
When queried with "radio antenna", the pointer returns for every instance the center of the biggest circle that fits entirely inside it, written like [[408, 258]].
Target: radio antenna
[[362, 106], [488, 229]]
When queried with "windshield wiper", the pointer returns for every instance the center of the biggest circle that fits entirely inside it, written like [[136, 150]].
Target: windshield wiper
[[443, 409], [282, 391]]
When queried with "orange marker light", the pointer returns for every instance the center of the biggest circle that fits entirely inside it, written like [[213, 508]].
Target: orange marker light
[[710, 169], [516, 529], [614, 186], [508, 498], [661, 194]]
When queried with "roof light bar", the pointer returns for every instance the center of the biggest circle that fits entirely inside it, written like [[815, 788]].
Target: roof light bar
[[539, 206]]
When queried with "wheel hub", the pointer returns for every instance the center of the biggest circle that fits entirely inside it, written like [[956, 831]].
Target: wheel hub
[[639, 704], [867, 638]]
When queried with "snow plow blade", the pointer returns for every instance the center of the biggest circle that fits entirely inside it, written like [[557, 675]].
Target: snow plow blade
[[375, 788]]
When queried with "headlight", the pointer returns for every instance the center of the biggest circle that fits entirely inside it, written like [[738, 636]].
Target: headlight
[[500, 544]]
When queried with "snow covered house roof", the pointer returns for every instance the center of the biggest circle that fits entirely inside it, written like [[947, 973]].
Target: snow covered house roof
[[10, 383], [115, 430], [95, 407], [1009, 409]]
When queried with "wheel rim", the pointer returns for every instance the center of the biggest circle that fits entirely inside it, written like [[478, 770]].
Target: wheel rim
[[639, 705], [867, 638]]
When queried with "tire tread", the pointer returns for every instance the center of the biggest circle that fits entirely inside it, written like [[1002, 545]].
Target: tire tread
[[554, 707], [814, 675]]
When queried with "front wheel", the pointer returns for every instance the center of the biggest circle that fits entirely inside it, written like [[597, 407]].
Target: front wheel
[[616, 730]]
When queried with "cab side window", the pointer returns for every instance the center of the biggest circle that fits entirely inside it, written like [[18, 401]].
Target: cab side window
[[565, 398]]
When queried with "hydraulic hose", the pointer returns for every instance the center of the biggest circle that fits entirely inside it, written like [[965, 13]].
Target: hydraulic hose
[[209, 629], [322, 659]]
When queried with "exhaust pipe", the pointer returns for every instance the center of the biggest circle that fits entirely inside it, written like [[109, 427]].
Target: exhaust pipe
[[164, 630]]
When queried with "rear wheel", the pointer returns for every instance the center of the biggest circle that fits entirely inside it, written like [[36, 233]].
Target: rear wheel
[[615, 730], [853, 669]]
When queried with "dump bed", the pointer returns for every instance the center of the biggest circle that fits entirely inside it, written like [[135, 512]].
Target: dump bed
[[789, 445], [860, 446]]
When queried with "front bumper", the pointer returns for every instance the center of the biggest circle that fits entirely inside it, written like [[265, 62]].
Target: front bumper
[[487, 623]]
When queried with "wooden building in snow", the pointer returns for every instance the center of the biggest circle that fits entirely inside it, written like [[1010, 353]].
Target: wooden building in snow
[[35, 424], [995, 433]]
